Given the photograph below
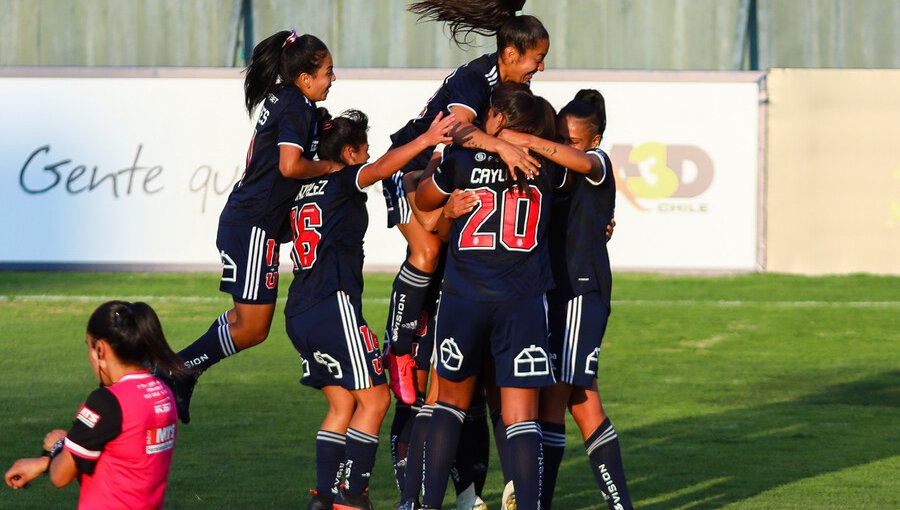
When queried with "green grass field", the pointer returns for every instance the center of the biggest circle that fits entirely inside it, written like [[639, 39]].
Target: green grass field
[[739, 392]]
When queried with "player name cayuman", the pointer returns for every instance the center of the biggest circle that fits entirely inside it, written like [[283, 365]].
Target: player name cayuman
[[487, 175], [312, 189]]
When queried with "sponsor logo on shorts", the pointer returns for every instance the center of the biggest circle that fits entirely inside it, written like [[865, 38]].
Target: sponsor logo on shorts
[[304, 365], [161, 439], [532, 361], [88, 417], [229, 268], [333, 366], [590, 365], [451, 357]]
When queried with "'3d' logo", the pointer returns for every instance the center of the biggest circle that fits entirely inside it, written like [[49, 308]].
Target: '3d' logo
[[655, 171]]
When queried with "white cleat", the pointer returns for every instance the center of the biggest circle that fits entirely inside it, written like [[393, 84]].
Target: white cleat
[[508, 500], [468, 500]]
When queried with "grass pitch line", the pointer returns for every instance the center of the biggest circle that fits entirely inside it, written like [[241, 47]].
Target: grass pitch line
[[383, 301]]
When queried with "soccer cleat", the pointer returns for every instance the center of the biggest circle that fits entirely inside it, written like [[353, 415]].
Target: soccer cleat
[[508, 500], [347, 501], [319, 502], [403, 377], [183, 388], [468, 500], [408, 505]]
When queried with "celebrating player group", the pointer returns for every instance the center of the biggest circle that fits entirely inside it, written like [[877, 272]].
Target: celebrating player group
[[498, 311]]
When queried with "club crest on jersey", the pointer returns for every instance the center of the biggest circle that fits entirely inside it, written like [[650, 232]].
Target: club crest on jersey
[[88, 417], [531, 361], [480, 156], [451, 357]]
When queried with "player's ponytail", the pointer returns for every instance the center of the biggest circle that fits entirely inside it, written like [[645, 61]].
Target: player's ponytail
[[484, 17], [526, 113], [277, 61], [335, 134], [590, 106], [134, 332]]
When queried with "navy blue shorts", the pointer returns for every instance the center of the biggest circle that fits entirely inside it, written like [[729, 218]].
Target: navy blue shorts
[[577, 326], [249, 264], [398, 210], [513, 332], [335, 345]]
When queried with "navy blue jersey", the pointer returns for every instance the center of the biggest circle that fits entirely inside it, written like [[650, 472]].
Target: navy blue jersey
[[469, 86], [263, 196], [498, 251], [328, 219], [578, 233]]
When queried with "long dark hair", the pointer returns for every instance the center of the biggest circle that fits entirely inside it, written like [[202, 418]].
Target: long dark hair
[[277, 61], [348, 129], [526, 113], [134, 332], [588, 105], [484, 17]]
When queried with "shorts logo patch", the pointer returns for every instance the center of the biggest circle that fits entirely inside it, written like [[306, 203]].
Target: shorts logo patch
[[590, 365], [334, 368], [451, 357], [161, 439], [229, 268], [88, 417], [532, 361], [304, 365]]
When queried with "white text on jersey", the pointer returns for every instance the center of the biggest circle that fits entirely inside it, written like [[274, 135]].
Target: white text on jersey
[[312, 189], [488, 175]]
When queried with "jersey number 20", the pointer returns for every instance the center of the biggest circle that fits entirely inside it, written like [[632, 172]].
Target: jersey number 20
[[519, 217], [304, 221]]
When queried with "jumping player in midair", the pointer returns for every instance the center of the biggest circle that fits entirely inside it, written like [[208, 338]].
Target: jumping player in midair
[[286, 76]]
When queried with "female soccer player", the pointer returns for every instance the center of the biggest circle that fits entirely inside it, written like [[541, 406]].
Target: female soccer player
[[323, 313], [121, 441], [579, 305], [287, 74], [496, 276], [522, 45]]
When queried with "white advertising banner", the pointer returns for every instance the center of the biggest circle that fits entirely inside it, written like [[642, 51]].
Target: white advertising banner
[[132, 168]]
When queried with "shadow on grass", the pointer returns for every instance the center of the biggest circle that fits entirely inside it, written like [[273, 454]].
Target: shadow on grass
[[711, 461]]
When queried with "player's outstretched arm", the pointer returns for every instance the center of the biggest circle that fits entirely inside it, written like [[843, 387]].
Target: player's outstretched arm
[[393, 160], [561, 154], [291, 164]]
